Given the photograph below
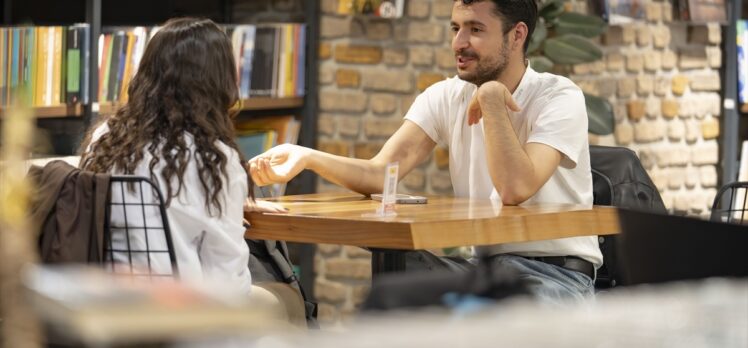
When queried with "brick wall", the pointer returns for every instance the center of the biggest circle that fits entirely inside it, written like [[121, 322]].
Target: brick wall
[[663, 79], [661, 76], [371, 70]]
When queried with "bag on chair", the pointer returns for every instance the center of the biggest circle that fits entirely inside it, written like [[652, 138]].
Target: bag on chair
[[269, 261]]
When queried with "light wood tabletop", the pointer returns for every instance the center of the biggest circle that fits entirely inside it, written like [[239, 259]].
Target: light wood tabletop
[[442, 222]]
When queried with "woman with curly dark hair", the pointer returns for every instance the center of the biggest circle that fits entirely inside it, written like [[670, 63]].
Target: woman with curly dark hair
[[177, 129]]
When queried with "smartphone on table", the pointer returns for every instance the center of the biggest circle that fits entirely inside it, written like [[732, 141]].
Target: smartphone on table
[[402, 198]]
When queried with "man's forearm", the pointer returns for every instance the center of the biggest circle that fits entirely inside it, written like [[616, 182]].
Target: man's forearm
[[511, 169], [362, 176]]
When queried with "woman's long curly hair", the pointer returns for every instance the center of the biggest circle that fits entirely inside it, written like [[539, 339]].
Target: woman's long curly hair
[[186, 83]]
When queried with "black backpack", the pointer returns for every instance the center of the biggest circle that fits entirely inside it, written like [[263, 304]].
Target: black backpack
[[618, 179], [269, 262]]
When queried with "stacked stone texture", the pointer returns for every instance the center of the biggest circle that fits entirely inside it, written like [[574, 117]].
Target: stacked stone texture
[[662, 77]]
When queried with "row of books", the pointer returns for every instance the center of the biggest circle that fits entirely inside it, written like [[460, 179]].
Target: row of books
[[44, 66], [258, 135], [270, 59], [49, 65]]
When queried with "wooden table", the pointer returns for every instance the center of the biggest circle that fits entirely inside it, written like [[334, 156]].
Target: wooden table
[[442, 222]]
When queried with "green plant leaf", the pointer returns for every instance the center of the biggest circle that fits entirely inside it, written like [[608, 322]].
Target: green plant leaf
[[538, 36], [571, 49], [599, 114], [551, 9], [577, 23], [541, 63]]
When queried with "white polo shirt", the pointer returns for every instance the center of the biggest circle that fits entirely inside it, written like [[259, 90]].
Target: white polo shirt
[[553, 113]]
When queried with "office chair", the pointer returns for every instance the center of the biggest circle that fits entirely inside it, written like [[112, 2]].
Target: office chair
[[137, 238], [618, 179], [734, 209]]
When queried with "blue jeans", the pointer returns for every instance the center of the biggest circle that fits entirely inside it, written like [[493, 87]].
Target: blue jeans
[[547, 283]]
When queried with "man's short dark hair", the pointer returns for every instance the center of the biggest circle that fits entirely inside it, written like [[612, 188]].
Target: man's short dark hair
[[512, 12]]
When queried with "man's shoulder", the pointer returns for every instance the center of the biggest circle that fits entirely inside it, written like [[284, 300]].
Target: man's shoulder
[[451, 86], [548, 84]]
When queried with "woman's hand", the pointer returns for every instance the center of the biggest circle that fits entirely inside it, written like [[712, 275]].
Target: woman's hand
[[492, 98], [261, 206], [278, 165]]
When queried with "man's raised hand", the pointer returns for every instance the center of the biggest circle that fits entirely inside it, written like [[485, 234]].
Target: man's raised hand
[[492, 98]]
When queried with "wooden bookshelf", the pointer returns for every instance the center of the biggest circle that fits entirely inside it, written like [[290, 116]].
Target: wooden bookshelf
[[264, 103], [55, 111], [272, 103]]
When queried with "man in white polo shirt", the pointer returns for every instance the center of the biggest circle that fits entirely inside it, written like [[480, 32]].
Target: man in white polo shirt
[[513, 134]]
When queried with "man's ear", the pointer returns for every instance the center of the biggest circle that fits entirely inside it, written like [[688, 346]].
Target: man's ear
[[520, 35]]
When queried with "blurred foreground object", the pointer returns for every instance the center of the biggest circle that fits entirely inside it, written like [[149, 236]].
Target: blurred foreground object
[[704, 313], [18, 327], [87, 305]]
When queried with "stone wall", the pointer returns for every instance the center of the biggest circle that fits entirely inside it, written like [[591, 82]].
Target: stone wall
[[662, 77]]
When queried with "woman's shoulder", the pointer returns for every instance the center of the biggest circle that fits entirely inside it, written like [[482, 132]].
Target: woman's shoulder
[[101, 129]]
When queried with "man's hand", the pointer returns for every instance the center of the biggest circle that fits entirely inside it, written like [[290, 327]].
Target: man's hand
[[278, 165], [492, 98]]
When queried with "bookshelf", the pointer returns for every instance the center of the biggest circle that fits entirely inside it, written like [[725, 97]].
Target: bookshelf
[[251, 104], [67, 124], [100, 15], [55, 111]]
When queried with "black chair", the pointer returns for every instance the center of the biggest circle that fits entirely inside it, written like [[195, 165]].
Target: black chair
[[137, 238], [618, 179], [731, 203]]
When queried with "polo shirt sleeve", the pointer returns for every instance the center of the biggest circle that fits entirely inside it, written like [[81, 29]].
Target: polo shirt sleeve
[[562, 124], [430, 111]]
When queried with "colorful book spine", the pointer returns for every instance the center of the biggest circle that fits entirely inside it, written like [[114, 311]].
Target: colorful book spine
[[248, 48], [73, 55], [57, 68], [3, 49]]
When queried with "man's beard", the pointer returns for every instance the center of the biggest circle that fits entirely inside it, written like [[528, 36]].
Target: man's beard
[[486, 70]]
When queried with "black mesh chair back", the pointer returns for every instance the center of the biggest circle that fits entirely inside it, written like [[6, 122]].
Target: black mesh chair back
[[731, 203], [137, 238]]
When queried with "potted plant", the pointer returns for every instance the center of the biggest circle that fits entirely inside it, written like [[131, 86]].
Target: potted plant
[[563, 38]]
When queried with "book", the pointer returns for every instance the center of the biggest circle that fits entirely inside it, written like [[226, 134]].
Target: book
[[97, 307], [256, 142], [14, 61], [105, 54], [247, 50], [115, 66], [3, 49], [284, 127], [262, 64], [57, 73], [29, 65], [285, 130], [85, 68], [73, 77]]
